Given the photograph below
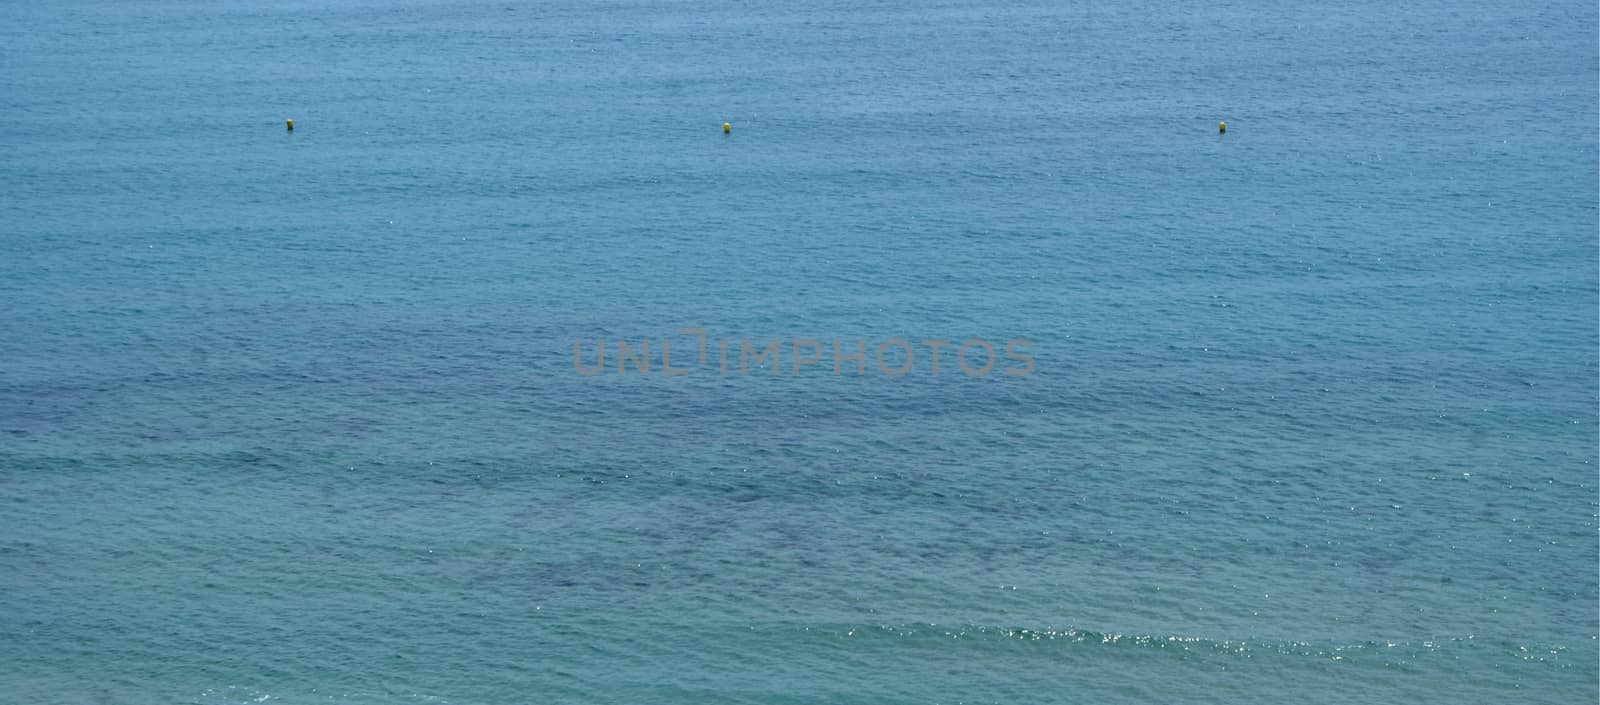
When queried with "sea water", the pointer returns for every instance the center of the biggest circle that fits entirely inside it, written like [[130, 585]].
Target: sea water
[[1310, 412]]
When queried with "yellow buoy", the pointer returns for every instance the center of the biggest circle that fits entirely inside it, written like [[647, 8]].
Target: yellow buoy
[[289, 124], [726, 128], [1222, 127]]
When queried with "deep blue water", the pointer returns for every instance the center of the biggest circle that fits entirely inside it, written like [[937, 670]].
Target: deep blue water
[[293, 417]]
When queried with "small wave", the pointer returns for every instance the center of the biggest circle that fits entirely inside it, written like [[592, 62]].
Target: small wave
[[1313, 649]]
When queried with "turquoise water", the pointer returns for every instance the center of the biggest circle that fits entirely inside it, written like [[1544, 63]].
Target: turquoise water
[[293, 417]]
